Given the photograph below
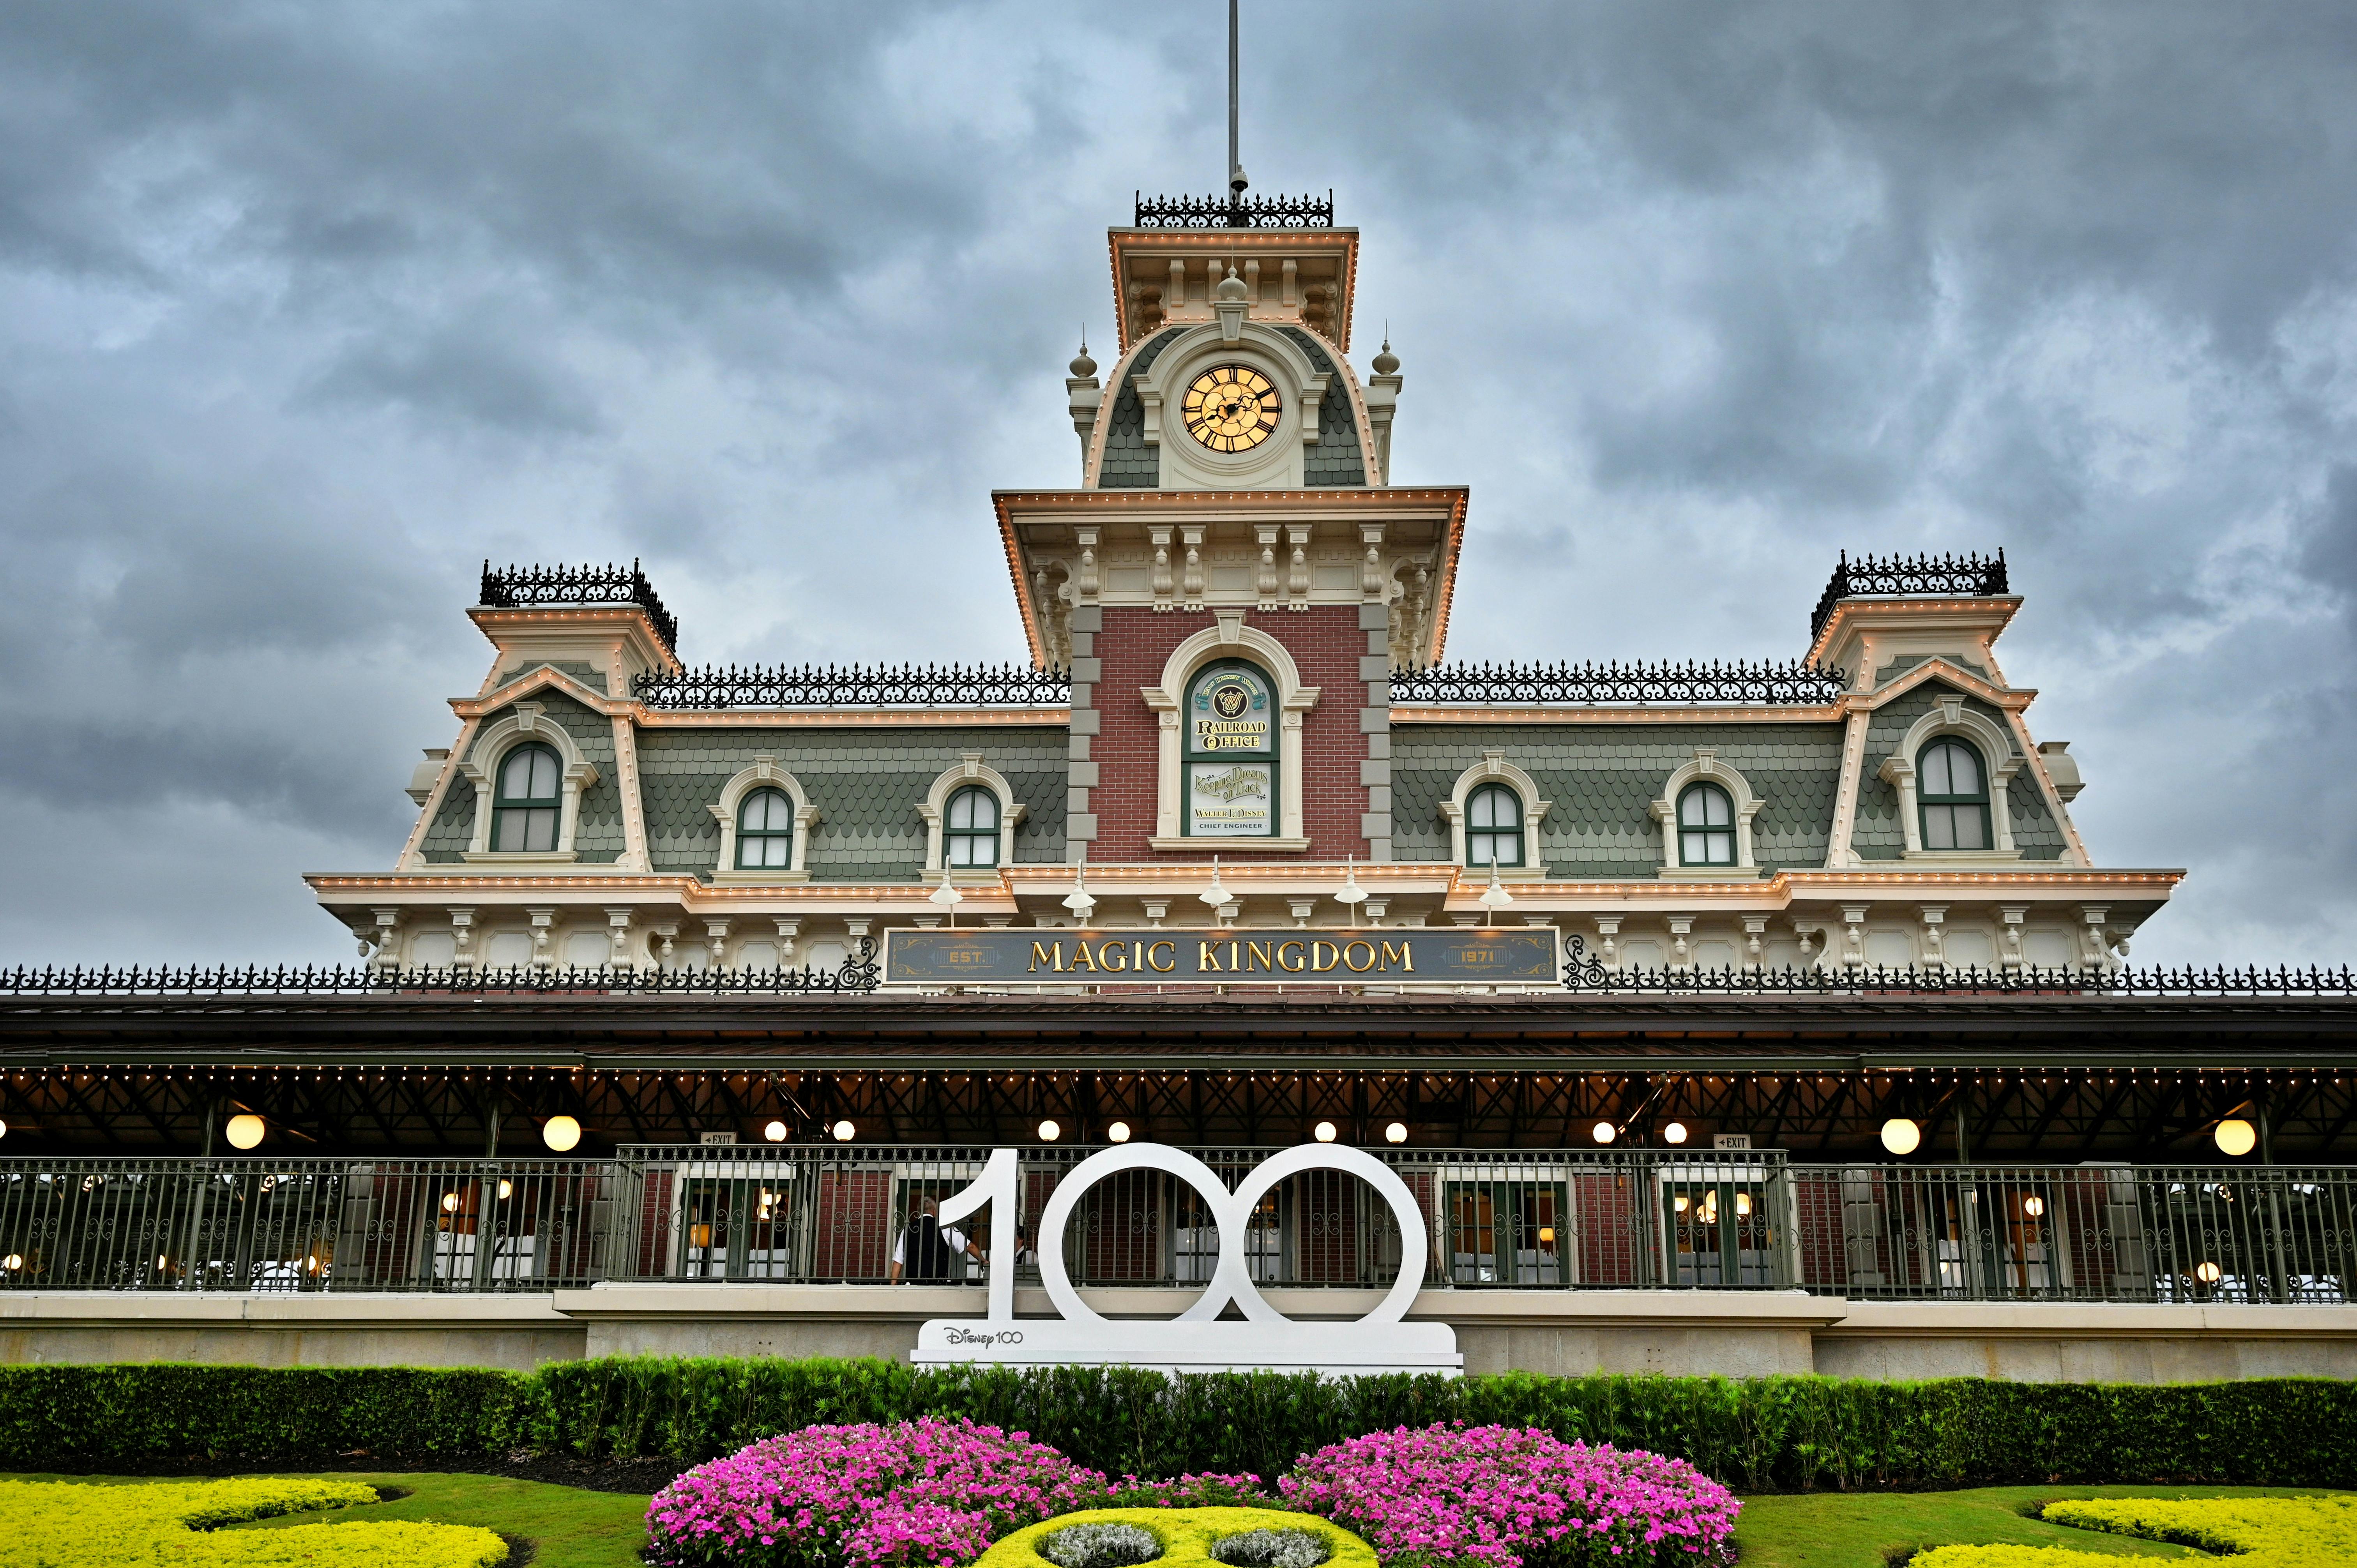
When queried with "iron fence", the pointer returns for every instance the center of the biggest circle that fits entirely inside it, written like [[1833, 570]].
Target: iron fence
[[1235, 211], [2120, 1233], [856, 686], [524, 587], [277, 1225], [856, 1214], [1908, 576], [1797, 682]]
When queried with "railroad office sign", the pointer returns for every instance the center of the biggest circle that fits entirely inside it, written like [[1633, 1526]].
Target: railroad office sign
[[1196, 1340], [1393, 955]]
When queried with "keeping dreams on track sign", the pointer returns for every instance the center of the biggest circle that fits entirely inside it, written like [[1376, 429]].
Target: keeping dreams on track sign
[[1224, 956]]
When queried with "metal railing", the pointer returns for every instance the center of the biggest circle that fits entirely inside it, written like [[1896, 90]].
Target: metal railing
[[1797, 682], [527, 587], [277, 1225], [854, 1214], [1897, 576], [856, 686]]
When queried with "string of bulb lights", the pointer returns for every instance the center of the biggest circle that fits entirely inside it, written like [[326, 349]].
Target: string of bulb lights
[[2233, 1125]]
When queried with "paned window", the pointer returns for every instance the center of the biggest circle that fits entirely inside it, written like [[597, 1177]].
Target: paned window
[[765, 831], [970, 829], [1952, 789], [1705, 826], [524, 805], [1493, 827]]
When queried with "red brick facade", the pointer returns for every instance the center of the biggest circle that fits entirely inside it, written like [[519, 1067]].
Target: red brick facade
[[1326, 644]]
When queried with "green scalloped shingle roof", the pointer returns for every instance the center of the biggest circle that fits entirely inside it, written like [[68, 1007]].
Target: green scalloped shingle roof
[[1129, 463], [1336, 459], [867, 784], [1603, 779]]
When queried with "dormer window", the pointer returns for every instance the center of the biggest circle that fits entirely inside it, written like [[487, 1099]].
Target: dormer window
[[1705, 826], [1953, 796], [970, 830], [765, 831], [524, 807], [1493, 827]]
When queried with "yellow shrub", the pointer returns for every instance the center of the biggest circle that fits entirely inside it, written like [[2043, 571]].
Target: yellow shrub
[[2275, 1532], [52, 1524]]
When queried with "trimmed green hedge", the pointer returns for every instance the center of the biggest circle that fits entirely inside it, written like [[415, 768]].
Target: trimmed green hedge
[[1759, 1434]]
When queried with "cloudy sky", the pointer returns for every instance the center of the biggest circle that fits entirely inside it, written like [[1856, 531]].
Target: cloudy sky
[[306, 309]]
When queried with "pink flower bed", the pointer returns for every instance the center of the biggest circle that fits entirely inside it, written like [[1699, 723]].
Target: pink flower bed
[[920, 1492], [1498, 1497]]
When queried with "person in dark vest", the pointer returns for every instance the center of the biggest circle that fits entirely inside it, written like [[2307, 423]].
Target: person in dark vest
[[928, 1249]]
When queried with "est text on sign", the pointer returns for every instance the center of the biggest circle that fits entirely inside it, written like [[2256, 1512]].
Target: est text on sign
[[1224, 956]]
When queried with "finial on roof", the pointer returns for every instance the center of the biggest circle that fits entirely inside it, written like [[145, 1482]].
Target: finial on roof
[[1232, 287], [1387, 362], [1082, 366]]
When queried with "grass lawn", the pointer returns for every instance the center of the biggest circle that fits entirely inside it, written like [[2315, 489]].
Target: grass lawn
[[569, 1527], [1865, 1530]]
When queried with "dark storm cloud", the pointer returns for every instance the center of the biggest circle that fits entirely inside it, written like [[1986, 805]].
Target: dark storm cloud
[[307, 310]]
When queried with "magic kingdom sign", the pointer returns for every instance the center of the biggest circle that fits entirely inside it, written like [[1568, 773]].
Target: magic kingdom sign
[[1223, 955]]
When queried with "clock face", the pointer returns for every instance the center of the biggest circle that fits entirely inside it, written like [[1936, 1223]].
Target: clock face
[[1230, 408]]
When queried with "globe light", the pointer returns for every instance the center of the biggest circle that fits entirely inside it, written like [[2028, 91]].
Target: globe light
[[844, 1131], [561, 1134], [1324, 1131], [13, 1262], [1395, 1132], [1901, 1136], [1675, 1133], [1742, 1203], [2236, 1137], [507, 1190], [1546, 1235], [1118, 1133], [775, 1131], [4, 1129], [1051, 1130], [244, 1132], [1604, 1131], [2033, 1206], [449, 1203], [2208, 1274]]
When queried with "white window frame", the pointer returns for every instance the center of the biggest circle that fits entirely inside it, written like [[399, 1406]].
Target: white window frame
[[971, 769], [765, 774], [1229, 638], [1704, 767], [1493, 769], [529, 722], [1949, 717]]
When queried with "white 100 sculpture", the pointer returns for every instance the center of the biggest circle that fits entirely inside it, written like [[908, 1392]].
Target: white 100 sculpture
[[1196, 1340]]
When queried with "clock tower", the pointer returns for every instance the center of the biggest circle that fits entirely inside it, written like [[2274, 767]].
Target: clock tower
[[1233, 537]]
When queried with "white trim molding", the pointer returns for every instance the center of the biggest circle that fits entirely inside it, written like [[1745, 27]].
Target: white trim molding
[[1493, 769], [1229, 638], [765, 774], [1950, 716], [971, 769], [530, 721], [1706, 767]]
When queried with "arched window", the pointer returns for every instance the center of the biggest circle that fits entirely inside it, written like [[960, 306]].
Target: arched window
[[970, 829], [524, 805], [765, 831], [1231, 729], [1953, 796], [1493, 827], [1705, 826]]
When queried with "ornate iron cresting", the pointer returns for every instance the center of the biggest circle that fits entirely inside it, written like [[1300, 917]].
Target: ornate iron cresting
[[1795, 684], [853, 686], [517, 587], [857, 974], [1235, 213], [1900, 575], [1587, 973]]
